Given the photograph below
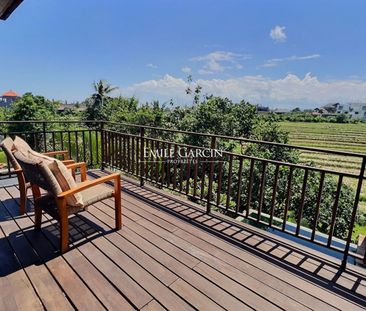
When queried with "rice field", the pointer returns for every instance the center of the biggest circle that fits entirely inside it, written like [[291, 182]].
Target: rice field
[[334, 136]]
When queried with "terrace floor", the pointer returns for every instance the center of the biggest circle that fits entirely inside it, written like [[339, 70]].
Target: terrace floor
[[169, 255]]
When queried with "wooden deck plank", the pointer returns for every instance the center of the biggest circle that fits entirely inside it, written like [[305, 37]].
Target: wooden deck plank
[[120, 279], [156, 262], [166, 297], [210, 289], [252, 298], [42, 281], [153, 305], [200, 283], [255, 262], [106, 293], [16, 292], [99, 285]]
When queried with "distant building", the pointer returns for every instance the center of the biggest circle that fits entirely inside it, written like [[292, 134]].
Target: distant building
[[8, 98], [330, 108], [355, 110], [281, 111], [262, 109]]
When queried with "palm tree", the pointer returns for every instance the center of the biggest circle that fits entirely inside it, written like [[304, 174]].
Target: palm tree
[[97, 100], [102, 90]]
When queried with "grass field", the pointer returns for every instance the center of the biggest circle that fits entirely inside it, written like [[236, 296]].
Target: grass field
[[335, 136]]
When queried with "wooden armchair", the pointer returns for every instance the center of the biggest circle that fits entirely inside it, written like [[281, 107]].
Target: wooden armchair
[[57, 201], [8, 146]]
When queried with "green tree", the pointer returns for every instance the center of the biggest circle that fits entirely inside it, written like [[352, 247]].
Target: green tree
[[96, 103]]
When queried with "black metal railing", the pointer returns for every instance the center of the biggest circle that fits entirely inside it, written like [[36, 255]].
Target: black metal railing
[[268, 192]]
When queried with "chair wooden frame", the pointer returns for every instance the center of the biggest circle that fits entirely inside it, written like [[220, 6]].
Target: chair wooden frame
[[62, 207]]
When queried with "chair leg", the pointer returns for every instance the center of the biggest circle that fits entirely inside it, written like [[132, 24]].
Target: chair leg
[[64, 226], [23, 193], [38, 216], [117, 203]]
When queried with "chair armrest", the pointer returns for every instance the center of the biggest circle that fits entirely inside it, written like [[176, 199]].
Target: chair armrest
[[88, 184], [81, 166], [68, 162], [64, 153]]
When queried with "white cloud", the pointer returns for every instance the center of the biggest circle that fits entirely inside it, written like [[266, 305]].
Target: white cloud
[[219, 61], [278, 34], [153, 66], [275, 61], [288, 91], [186, 69]]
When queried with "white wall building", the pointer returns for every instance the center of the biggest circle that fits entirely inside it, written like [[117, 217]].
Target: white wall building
[[355, 110]]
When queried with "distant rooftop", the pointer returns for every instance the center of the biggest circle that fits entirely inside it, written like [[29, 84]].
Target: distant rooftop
[[11, 93]]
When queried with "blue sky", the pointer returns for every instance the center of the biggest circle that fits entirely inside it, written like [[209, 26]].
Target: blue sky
[[275, 52]]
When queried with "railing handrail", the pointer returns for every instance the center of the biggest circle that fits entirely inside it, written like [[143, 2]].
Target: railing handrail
[[209, 135], [243, 139]]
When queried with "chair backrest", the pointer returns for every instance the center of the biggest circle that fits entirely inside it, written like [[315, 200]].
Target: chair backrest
[[8, 145], [21, 145], [38, 173]]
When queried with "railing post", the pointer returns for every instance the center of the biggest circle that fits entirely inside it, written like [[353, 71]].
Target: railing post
[[102, 144], [44, 136], [354, 212], [210, 178], [142, 151]]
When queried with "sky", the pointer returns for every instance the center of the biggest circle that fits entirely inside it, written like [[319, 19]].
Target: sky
[[277, 53]]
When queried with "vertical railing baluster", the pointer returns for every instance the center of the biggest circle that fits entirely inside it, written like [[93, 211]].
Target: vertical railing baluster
[[53, 141], [142, 155], [188, 172], [44, 136], [210, 176], [132, 154], [203, 179], [168, 166], [84, 147], [219, 183], [77, 146], [317, 208], [303, 193], [175, 166], [288, 197], [250, 187], [230, 172], [334, 210], [238, 194], [195, 176], [274, 194], [158, 162], [90, 148], [102, 142], [262, 190]]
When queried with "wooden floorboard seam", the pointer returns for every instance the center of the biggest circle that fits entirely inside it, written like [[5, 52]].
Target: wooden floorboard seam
[[170, 215], [143, 259]]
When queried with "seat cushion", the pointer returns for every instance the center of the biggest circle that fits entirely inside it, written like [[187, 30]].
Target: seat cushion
[[96, 193], [48, 204]]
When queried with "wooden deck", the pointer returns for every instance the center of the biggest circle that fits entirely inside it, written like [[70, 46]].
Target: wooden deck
[[169, 255]]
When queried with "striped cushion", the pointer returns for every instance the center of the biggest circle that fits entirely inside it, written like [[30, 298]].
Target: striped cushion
[[66, 182], [21, 145], [41, 157]]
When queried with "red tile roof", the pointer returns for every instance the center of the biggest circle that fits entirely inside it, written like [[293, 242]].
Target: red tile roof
[[10, 94]]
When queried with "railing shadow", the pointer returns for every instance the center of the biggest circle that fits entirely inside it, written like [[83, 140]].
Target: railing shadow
[[318, 270]]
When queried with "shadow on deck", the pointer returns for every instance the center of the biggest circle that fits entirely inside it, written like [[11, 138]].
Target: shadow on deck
[[169, 254]]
